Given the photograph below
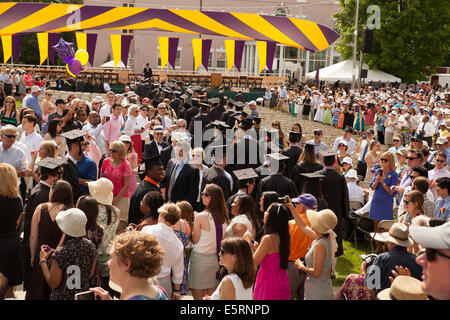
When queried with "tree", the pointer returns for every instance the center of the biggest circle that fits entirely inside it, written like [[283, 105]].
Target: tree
[[412, 41]]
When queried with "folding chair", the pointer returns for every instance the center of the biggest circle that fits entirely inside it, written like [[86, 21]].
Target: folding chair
[[355, 204], [364, 184], [365, 225], [383, 226]]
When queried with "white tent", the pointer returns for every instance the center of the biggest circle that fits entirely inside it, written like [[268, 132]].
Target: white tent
[[110, 64], [343, 71]]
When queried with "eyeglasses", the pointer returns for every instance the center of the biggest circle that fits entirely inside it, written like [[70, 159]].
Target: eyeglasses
[[382, 159], [408, 201], [439, 160], [47, 94], [10, 136], [183, 126], [411, 158], [432, 253]]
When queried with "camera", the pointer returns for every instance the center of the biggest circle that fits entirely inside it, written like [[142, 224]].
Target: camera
[[283, 199], [364, 136]]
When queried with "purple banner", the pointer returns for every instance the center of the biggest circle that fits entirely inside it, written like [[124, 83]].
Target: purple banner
[[271, 46], [91, 43], [238, 51], [16, 42], [53, 39], [126, 43], [173, 49], [206, 49]]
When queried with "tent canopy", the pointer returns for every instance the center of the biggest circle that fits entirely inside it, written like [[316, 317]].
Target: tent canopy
[[110, 64], [343, 71], [54, 17]]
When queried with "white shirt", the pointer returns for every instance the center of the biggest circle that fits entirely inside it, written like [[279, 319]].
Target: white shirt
[[167, 122], [142, 122], [350, 144], [355, 192], [32, 142], [105, 111], [130, 126], [240, 292], [433, 175], [14, 156], [97, 133], [428, 128], [173, 262]]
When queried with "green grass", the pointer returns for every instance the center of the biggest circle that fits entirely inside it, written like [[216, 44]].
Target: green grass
[[350, 261]]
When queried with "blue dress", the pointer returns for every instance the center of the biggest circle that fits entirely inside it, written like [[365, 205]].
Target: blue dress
[[382, 205]]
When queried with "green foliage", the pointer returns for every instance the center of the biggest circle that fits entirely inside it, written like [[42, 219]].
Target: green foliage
[[413, 39]]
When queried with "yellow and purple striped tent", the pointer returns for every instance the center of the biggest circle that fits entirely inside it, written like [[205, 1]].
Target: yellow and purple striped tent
[[51, 18]]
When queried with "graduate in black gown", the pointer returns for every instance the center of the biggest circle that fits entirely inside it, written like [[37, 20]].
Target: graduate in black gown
[[335, 192], [217, 174], [76, 145], [245, 183], [307, 164], [293, 152], [154, 175], [229, 111]]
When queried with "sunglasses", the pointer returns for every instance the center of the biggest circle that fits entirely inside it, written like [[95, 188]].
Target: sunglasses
[[10, 136], [382, 159], [144, 109], [317, 134], [9, 101], [408, 201], [438, 160], [411, 158], [432, 253]]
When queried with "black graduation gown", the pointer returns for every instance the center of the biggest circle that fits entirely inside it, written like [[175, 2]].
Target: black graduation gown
[[293, 152], [151, 149], [70, 174], [215, 113], [299, 168], [166, 155], [39, 194], [226, 115], [239, 97], [279, 183], [247, 153], [335, 192], [189, 114], [201, 117], [134, 213], [175, 105], [217, 176]]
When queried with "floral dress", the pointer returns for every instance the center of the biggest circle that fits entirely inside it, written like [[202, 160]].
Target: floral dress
[[96, 237], [108, 237], [185, 240], [335, 119], [355, 289]]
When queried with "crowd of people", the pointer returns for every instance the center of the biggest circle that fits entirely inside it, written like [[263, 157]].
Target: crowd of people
[[171, 192]]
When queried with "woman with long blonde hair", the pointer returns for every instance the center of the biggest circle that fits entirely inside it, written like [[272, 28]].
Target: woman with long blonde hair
[[11, 265]]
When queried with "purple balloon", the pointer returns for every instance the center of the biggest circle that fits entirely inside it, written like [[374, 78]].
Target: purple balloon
[[67, 59], [75, 66], [64, 49]]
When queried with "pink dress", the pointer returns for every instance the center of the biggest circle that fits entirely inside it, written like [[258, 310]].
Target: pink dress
[[116, 174], [272, 282], [133, 183]]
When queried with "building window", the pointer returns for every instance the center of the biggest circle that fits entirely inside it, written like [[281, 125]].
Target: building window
[[177, 60], [221, 58]]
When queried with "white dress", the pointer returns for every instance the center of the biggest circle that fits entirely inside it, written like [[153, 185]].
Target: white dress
[[240, 292], [319, 114]]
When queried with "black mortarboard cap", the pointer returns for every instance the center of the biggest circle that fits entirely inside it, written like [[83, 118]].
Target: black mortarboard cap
[[74, 135], [295, 136], [277, 156], [257, 120], [218, 123], [309, 146], [246, 124], [154, 160], [328, 153], [50, 163], [214, 100], [239, 104], [245, 174]]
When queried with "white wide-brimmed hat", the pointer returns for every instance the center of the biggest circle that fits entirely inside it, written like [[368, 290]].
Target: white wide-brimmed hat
[[102, 191], [398, 234], [72, 222], [125, 138], [322, 221]]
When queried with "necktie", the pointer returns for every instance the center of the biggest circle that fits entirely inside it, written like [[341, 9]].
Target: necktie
[[363, 159], [172, 181], [437, 213], [163, 123]]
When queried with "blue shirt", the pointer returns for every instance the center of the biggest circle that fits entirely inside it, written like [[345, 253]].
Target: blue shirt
[[444, 210], [447, 153], [33, 103], [87, 169], [387, 261]]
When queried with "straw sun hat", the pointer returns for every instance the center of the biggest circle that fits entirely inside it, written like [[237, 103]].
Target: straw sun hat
[[102, 191], [322, 221], [403, 288]]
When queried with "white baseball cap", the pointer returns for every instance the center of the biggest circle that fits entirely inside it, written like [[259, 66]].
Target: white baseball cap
[[352, 174], [35, 89]]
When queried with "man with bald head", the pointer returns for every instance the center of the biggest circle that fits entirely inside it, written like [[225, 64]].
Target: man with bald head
[[95, 129]]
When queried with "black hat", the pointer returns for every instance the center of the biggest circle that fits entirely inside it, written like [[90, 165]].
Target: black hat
[[74, 136], [60, 101], [214, 100], [220, 150], [348, 129], [277, 156], [309, 146], [295, 136], [204, 106], [246, 124], [152, 161], [239, 104], [313, 175], [257, 120], [328, 153], [51, 163], [245, 174], [219, 124]]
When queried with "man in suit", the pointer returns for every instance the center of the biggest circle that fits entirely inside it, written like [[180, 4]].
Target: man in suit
[[182, 178], [154, 147], [217, 174], [335, 192], [154, 175], [167, 153], [148, 71]]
